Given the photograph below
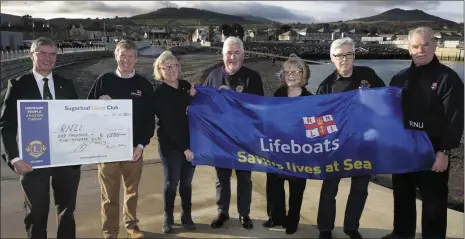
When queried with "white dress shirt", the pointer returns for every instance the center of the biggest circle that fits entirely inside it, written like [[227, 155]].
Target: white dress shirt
[[40, 83]]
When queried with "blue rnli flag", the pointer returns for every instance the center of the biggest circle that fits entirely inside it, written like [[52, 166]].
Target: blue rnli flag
[[336, 135]]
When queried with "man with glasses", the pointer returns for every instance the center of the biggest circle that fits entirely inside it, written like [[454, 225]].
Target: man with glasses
[[40, 83], [346, 77], [125, 83], [233, 75]]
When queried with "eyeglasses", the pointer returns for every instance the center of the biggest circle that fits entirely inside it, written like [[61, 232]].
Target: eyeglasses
[[45, 54], [294, 73], [349, 55], [170, 67]]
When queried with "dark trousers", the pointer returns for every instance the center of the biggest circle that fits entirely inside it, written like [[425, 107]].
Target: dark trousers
[[355, 203], [36, 187], [223, 190], [276, 201], [177, 170], [434, 193]]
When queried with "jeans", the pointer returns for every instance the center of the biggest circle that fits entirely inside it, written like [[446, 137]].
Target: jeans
[[177, 170]]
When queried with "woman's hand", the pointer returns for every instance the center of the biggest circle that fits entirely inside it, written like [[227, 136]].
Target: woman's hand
[[189, 155], [192, 91]]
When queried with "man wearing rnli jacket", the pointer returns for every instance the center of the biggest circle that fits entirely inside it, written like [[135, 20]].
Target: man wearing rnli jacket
[[433, 102], [345, 78]]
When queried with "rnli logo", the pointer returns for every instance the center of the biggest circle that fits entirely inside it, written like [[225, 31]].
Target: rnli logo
[[319, 126], [414, 124], [35, 148]]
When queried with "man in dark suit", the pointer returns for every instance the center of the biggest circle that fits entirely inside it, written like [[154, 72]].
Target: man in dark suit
[[40, 84]]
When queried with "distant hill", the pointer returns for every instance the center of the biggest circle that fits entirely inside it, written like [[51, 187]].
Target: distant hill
[[258, 19], [8, 18], [397, 14], [398, 21], [165, 16], [193, 16]]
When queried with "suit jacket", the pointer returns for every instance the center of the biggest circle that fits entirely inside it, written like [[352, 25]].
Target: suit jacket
[[25, 88]]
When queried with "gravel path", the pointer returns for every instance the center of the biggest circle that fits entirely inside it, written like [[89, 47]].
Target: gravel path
[[195, 69]]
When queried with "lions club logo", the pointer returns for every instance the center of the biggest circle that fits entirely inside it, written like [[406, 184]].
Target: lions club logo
[[35, 148], [364, 84], [319, 126]]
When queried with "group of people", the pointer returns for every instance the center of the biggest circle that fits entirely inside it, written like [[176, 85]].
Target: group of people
[[432, 91]]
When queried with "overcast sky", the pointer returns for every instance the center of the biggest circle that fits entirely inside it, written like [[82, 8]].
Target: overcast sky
[[282, 11]]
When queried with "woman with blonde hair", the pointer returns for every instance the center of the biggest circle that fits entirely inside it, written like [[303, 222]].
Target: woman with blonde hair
[[172, 97], [294, 76]]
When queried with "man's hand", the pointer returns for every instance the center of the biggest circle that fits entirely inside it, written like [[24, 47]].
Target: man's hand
[[105, 97], [441, 162], [21, 167], [189, 155], [223, 87], [137, 154], [192, 91]]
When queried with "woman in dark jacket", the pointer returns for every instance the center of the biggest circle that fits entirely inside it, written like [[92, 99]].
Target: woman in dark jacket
[[172, 97], [294, 77]]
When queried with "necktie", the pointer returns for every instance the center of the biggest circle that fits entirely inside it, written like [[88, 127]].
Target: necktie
[[47, 94]]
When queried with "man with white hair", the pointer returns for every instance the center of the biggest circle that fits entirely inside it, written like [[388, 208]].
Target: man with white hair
[[432, 102], [346, 77], [233, 75]]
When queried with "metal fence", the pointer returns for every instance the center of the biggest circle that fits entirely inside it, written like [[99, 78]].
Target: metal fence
[[20, 54], [170, 43]]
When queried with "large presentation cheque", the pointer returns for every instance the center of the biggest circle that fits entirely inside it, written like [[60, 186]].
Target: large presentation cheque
[[56, 133]]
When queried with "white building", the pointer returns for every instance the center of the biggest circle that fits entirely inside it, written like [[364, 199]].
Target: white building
[[200, 35], [289, 36], [372, 39]]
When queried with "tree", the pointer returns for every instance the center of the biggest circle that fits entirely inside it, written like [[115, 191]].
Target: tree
[[237, 31], [211, 33], [26, 19], [284, 28], [226, 30]]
